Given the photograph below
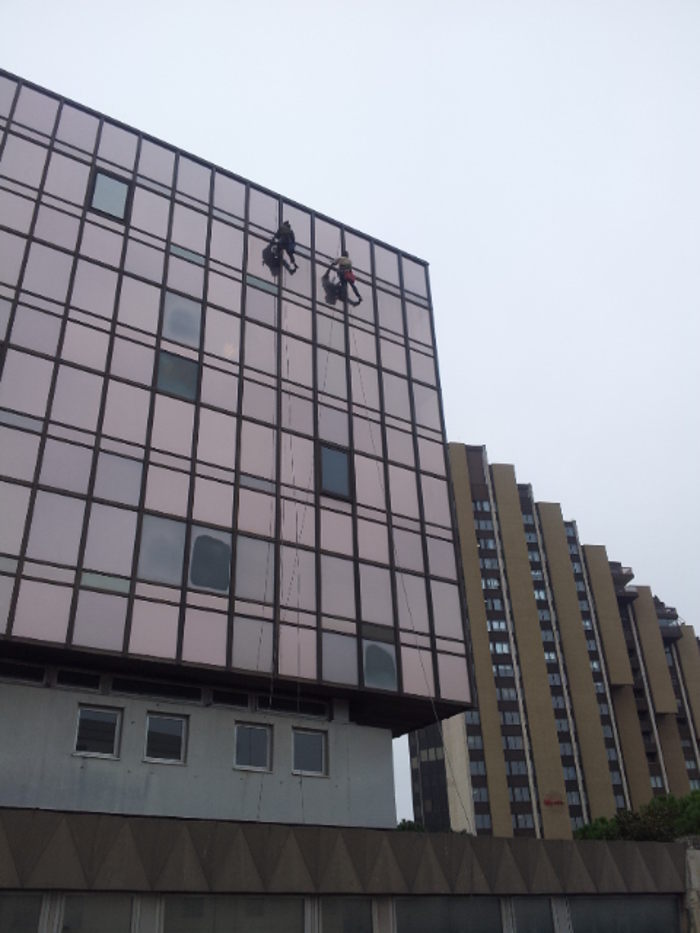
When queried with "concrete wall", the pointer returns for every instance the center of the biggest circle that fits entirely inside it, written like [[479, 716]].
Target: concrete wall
[[39, 768]]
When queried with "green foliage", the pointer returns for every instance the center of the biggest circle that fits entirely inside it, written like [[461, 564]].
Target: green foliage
[[663, 819], [410, 826]]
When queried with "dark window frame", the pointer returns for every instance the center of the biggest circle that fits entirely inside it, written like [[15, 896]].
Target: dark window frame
[[183, 740], [98, 170], [339, 449], [116, 744], [324, 738], [263, 726]]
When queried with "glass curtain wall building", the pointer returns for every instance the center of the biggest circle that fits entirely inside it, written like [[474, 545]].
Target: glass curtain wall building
[[211, 465]]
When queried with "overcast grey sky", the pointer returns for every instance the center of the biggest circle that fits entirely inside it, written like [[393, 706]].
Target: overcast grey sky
[[542, 155]]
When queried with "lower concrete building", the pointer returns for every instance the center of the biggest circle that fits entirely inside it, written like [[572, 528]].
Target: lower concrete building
[[588, 688], [81, 873]]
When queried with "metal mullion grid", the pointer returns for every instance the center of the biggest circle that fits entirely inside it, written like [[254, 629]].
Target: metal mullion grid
[[461, 586], [517, 677], [353, 494], [419, 490], [21, 557], [103, 395], [385, 472], [149, 432], [561, 665], [276, 538], [316, 450], [239, 427], [198, 396]]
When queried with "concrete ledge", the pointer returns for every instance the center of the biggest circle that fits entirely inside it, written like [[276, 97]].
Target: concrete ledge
[[47, 850]]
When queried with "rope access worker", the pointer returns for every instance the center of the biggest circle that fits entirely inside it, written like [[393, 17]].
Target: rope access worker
[[346, 276], [282, 242]]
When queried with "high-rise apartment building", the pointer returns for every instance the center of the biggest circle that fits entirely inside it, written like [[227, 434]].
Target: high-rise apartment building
[[227, 559], [587, 689]]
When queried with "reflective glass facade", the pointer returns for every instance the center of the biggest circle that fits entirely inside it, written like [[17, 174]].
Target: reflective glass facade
[[208, 458]]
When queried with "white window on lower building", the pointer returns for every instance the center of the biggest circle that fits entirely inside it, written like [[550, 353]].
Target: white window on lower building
[[309, 752], [165, 738], [253, 747], [98, 731]]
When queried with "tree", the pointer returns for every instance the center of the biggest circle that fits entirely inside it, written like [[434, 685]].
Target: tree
[[663, 819]]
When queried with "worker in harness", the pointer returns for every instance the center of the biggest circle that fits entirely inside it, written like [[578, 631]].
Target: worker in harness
[[346, 277], [282, 242]]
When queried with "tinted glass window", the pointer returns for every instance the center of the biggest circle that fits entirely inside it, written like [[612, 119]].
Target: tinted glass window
[[335, 472], [345, 914], [210, 561], [181, 319], [19, 913], [177, 376], [98, 731], [109, 195], [108, 913], [253, 747], [309, 751], [165, 738], [162, 548]]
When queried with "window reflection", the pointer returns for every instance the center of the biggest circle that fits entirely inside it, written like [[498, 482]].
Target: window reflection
[[210, 559], [181, 319], [162, 550], [177, 375], [109, 195], [379, 665]]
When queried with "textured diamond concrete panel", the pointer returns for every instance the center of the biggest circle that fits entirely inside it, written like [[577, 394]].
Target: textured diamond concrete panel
[[42, 850]]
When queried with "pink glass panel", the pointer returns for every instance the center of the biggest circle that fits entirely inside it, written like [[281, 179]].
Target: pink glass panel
[[36, 110], [297, 578], [441, 558], [117, 145], [7, 585], [47, 272], [454, 683], [432, 456], [85, 345], [99, 621], [167, 490], [296, 361], [213, 502], [57, 227], [336, 532], [298, 522], [110, 540], [217, 438], [132, 361], [22, 161], [447, 613], [67, 178], [189, 228], [35, 330], [375, 595], [400, 446], [66, 466], [76, 398], [126, 412], [417, 667], [372, 540], [11, 253], [413, 605], [154, 629], [150, 212], [14, 500], [297, 652], [221, 334], [369, 482], [252, 644], [172, 425], [94, 288], [337, 586], [435, 501], [18, 452], [339, 658], [258, 450], [138, 304], [297, 461], [204, 640], [408, 551], [226, 244], [404, 497], [156, 162], [56, 526], [42, 611], [77, 128], [256, 512]]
